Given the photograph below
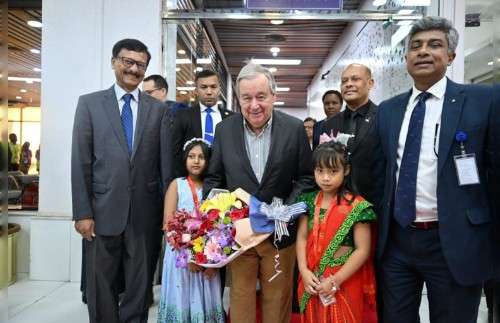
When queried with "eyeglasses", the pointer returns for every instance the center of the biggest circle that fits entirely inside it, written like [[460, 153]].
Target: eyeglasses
[[129, 62], [149, 92]]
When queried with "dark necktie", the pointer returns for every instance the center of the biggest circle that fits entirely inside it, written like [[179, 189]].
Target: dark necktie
[[209, 126], [351, 123], [127, 121], [406, 191]]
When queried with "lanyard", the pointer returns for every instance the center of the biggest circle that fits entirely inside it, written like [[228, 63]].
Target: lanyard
[[192, 187]]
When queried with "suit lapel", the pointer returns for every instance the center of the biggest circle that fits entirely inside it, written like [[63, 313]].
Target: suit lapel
[[397, 115], [112, 110], [240, 148], [367, 124], [196, 121], [142, 116], [452, 111], [273, 148]]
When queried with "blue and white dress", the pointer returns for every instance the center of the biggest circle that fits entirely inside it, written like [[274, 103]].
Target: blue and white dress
[[188, 297]]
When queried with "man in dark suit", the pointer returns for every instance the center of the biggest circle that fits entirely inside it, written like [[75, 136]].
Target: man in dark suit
[[358, 119], [439, 144], [200, 120], [119, 165], [332, 104], [156, 86], [266, 153]]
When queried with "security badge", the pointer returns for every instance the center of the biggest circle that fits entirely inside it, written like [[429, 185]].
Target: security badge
[[465, 164]]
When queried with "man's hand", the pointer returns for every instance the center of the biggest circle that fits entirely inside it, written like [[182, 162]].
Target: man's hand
[[85, 227]]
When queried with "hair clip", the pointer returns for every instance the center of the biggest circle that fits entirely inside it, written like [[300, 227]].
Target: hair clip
[[341, 138], [195, 140]]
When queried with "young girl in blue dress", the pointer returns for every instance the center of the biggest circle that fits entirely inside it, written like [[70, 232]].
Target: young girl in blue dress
[[188, 295]]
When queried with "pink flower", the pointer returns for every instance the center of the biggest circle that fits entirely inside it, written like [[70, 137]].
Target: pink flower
[[213, 251]]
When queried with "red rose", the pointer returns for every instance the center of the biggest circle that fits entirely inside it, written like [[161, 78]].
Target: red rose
[[200, 258], [213, 215], [237, 214], [204, 227]]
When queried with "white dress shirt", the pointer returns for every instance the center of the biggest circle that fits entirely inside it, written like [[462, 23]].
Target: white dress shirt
[[134, 104], [426, 202], [216, 117]]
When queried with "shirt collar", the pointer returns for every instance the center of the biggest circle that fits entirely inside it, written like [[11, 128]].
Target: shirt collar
[[437, 90], [203, 107], [267, 126], [121, 92], [362, 110]]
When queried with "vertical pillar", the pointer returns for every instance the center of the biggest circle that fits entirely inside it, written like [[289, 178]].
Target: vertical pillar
[[77, 39]]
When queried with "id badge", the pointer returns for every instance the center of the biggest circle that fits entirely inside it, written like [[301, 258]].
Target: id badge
[[466, 169]]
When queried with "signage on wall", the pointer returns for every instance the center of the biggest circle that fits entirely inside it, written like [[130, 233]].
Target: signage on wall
[[294, 4]]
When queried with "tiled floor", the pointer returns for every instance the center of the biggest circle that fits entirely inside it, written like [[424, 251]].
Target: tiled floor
[[60, 302]]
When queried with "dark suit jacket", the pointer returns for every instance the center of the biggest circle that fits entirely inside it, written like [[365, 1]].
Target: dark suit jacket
[[362, 152], [108, 185], [187, 125], [288, 170], [465, 213], [317, 131]]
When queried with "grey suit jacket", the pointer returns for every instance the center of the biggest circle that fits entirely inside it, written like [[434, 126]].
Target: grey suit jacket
[[108, 185]]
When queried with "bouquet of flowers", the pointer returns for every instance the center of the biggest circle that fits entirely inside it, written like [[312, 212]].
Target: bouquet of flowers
[[206, 235]]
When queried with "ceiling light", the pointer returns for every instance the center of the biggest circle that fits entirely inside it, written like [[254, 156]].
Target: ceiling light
[[277, 22], [23, 90], [279, 103], [189, 82], [177, 69], [272, 69], [274, 49], [405, 11], [498, 59], [203, 61], [183, 92], [198, 69], [36, 69], [24, 79], [35, 23], [19, 97], [282, 89], [191, 99], [182, 61], [410, 3], [265, 61], [35, 51], [185, 88], [377, 3], [29, 82], [181, 52], [490, 63]]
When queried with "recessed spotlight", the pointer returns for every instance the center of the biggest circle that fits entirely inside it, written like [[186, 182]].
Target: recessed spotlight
[[185, 88], [490, 63], [277, 22], [36, 69], [189, 82], [182, 61], [282, 89], [19, 97], [35, 51], [191, 99], [35, 23], [177, 69], [199, 69], [181, 52], [279, 103], [23, 90], [183, 92], [203, 61], [275, 49], [272, 69], [266, 61]]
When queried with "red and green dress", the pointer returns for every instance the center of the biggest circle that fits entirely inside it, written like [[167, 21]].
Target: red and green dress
[[328, 230]]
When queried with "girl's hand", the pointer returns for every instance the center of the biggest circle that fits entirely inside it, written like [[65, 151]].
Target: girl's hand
[[210, 273], [194, 268], [328, 287], [164, 227], [311, 282]]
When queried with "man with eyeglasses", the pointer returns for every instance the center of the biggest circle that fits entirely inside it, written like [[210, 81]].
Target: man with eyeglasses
[[120, 163], [156, 86]]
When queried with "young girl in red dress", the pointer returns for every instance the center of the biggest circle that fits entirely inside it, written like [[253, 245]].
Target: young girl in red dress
[[334, 246]]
